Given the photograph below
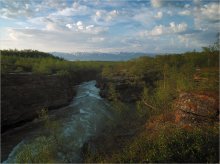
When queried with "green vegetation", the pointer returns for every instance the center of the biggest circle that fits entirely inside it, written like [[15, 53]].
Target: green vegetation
[[13, 61], [28, 54], [169, 143], [164, 78], [132, 137]]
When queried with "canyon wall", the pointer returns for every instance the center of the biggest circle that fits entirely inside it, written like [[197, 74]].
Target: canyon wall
[[23, 95]]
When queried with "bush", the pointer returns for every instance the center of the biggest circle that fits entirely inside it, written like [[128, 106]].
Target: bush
[[172, 144]]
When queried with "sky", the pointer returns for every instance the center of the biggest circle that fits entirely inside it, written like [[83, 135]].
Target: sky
[[153, 26]]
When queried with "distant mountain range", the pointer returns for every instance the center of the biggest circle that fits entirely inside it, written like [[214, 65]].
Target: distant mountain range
[[99, 56]]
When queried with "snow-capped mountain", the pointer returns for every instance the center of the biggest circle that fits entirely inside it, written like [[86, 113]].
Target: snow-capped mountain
[[99, 56]]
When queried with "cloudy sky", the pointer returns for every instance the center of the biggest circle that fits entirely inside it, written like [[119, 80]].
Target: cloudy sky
[[157, 26]]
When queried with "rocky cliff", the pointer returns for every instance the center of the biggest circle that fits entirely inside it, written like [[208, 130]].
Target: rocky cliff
[[23, 95], [127, 88]]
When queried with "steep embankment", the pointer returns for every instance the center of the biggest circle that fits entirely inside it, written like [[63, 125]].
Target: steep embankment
[[23, 95]]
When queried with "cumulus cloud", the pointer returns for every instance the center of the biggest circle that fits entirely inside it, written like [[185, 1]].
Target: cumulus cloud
[[103, 16], [65, 41], [97, 39], [166, 3], [14, 9], [193, 40], [210, 11], [157, 3], [185, 12], [197, 2], [163, 30], [75, 9], [28, 8], [159, 15], [81, 27], [69, 26], [145, 16], [86, 25], [207, 16]]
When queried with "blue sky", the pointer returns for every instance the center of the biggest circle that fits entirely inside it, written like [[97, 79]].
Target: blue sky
[[156, 26]]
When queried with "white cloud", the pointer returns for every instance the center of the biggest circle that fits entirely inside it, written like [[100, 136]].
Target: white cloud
[[157, 3], [158, 30], [165, 3], [197, 2], [97, 39], [207, 17], [80, 25], [103, 16], [16, 35], [192, 41], [14, 9], [89, 27], [82, 28], [187, 6], [105, 25], [98, 13], [162, 30], [65, 12], [50, 23], [28, 8], [185, 12], [113, 13], [145, 16], [69, 26], [169, 12], [76, 9], [51, 27], [45, 40], [177, 28], [13, 36], [159, 15], [211, 11]]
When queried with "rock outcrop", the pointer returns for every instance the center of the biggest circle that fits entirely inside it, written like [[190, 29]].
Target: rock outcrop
[[23, 95], [197, 108], [127, 88]]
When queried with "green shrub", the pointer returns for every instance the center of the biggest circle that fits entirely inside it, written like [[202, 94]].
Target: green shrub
[[172, 144]]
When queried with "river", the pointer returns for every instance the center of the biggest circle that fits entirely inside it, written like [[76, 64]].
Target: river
[[82, 119]]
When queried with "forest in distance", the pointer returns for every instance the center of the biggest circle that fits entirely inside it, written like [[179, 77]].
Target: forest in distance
[[165, 107]]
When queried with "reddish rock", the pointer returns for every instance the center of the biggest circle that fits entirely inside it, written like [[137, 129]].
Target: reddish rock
[[196, 108]]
